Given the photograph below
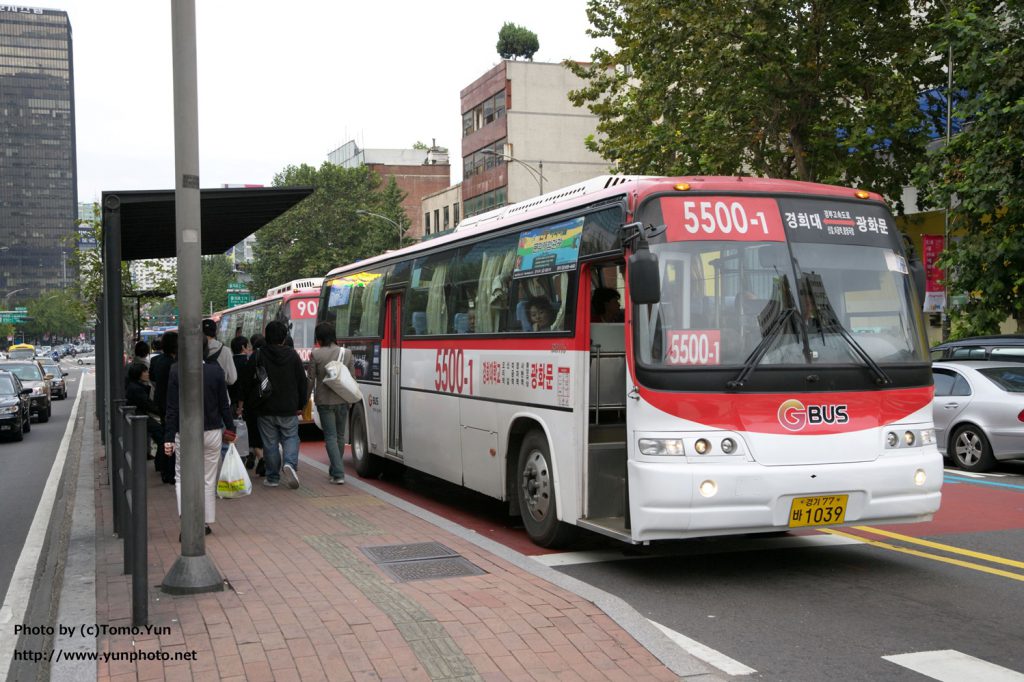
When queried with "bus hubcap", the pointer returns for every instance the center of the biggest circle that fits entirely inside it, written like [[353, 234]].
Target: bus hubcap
[[537, 485]]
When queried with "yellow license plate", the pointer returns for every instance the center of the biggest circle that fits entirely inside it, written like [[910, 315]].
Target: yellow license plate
[[817, 511]]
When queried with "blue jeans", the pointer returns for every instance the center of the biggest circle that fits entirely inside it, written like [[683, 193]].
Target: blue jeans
[[333, 420], [283, 430]]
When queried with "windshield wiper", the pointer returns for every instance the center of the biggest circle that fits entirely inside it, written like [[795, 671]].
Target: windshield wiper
[[832, 324], [775, 328]]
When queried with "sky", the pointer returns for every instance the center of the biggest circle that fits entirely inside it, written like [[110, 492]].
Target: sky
[[284, 83]]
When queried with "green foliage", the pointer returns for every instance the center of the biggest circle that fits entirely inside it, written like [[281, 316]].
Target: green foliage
[[517, 41], [816, 91], [324, 231], [217, 273], [58, 313], [6, 329], [981, 171], [422, 146]]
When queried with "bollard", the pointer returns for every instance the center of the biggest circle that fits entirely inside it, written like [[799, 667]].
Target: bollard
[[116, 488], [139, 530], [125, 474]]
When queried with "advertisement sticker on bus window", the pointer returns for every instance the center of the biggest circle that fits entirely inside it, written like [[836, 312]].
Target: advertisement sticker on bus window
[[839, 222], [693, 347], [746, 219], [896, 263], [546, 250]]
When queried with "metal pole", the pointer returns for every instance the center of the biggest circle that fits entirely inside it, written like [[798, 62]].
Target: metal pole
[[945, 227], [114, 460], [140, 521], [124, 474], [193, 571]]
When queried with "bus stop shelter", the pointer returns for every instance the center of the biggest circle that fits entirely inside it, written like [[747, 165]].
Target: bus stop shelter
[[140, 225]]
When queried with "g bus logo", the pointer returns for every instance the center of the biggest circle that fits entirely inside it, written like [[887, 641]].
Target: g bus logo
[[794, 416]]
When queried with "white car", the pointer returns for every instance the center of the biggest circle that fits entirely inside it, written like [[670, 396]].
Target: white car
[[86, 359], [979, 412]]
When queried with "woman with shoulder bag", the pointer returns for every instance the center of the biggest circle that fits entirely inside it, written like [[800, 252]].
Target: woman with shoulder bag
[[332, 407]]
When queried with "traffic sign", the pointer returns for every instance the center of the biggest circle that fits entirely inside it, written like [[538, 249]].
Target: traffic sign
[[238, 298], [13, 316]]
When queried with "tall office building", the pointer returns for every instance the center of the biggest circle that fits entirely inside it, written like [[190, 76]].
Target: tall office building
[[38, 192]]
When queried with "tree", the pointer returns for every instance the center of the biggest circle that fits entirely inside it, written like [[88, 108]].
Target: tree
[[981, 171], [324, 231], [59, 314], [808, 90], [217, 274], [517, 41]]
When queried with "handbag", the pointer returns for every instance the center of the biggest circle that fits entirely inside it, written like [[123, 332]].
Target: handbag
[[340, 380], [234, 480], [262, 389]]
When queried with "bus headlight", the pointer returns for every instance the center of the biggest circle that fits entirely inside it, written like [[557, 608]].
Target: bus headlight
[[909, 438], [660, 446], [702, 446], [708, 488], [927, 436], [728, 446], [920, 477], [891, 440]]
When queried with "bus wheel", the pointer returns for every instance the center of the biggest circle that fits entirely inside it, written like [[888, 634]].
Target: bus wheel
[[537, 500], [367, 465], [971, 450]]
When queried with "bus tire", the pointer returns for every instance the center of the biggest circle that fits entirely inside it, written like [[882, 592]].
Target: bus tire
[[538, 504], [367, 465], [971, 450]]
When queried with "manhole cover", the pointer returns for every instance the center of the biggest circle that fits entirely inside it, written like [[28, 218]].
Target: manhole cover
[[382, 554], [430, 569]]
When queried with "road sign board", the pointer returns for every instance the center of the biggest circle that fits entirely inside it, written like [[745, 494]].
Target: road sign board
[[238, 298], [12, 316]]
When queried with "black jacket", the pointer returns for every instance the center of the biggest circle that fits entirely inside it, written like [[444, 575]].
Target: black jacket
[[160, 374], [287, 379], [137, 395], [216, 411]]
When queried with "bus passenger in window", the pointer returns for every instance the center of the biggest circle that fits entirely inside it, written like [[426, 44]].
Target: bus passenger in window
[[604, 306], [541, 313]]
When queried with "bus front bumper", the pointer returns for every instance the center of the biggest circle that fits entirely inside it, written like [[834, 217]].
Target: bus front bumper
[[666, 501]]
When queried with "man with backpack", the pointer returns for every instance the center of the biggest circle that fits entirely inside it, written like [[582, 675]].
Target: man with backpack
[[218, 353], [278, 412]]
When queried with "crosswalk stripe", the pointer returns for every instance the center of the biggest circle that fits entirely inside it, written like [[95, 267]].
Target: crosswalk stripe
[[730, 666], [949, 665]]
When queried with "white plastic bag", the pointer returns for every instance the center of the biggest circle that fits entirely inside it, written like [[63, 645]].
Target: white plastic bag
[[340, 380], [234, 479]]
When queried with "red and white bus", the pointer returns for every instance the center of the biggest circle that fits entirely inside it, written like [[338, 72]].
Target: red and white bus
[[294, 303], [769, 371]]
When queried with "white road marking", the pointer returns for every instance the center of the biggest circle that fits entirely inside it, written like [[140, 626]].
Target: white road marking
[[22, 581], [719, 660], [952, 666], [697, 548]]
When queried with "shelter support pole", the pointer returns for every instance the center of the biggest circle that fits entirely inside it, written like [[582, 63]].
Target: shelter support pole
[[193, 571]]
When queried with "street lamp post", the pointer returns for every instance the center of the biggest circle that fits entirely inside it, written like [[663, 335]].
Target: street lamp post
[[8, 295], [535, 172], [401, 230]]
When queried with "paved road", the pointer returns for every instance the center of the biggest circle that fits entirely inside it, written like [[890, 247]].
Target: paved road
[[812, 605], [24, 469]]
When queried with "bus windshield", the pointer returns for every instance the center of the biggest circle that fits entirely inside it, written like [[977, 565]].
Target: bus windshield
[[720, 299]]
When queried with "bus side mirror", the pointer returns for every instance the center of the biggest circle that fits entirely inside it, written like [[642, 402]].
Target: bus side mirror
[[644, 277]]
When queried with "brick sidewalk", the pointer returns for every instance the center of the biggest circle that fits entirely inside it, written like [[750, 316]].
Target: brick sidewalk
[[304, 602]]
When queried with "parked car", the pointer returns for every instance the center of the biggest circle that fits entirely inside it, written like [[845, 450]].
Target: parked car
[[15, 419], [32, 376], [979, 412], [1006, 347], [58, 386]]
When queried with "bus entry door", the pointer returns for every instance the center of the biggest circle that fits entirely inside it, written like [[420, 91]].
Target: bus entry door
[[392, 381]]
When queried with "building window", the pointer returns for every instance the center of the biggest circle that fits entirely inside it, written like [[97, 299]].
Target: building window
[[488, 111], [486, 202], [455, 208], [426, 222], [437, 218], [447, 219], [483, 159]]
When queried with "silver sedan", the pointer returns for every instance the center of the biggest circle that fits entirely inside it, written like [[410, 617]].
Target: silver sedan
[[979, 412]]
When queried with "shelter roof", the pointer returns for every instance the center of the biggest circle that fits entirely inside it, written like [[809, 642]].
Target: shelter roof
[[227, 217]]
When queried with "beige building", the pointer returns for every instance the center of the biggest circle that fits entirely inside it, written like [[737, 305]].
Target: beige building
[[442, 211], [521, 136]]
